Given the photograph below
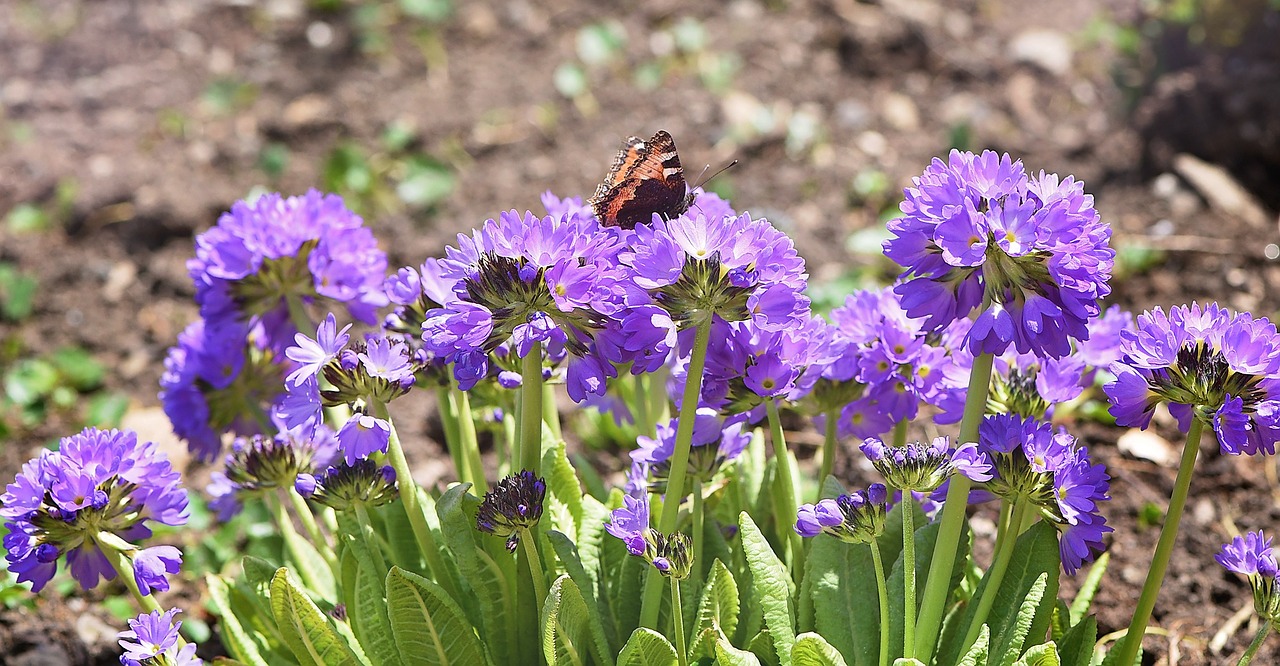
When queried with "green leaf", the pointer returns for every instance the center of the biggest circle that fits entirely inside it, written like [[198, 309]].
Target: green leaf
[[727, 655], [1084, 597], [106, 410], [235, 637], [719, 607], [313, 565], [79, 368], [563, 487], [771, 587], [811, 650], [1016, 635], [29, 381], [426, 182], [17, 293], [568, 554], [428, 626], [1077, 646], [369, 615], [647, 647], [1035, 553], [977, 655], [306, 630], [489, 588], [1045, 654], [566, 625]]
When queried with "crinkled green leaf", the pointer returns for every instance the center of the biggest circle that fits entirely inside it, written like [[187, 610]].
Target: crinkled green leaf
[[563, 487], [647, 647], [977, 655], [812, 650], [727, 655], [568, 554], [305, 629], [238, 641], [1084, 597], [369, 615], [429, 627], [1014, 635], [771, 587], [1076, 648], [306, 559], [566, 628], [719, 607], [1045, 654], [489, 591]]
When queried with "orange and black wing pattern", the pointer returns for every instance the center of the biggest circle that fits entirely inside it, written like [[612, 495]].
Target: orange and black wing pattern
[[645, 179]]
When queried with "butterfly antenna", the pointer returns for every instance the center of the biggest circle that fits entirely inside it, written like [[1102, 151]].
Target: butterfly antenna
[[703, 181]]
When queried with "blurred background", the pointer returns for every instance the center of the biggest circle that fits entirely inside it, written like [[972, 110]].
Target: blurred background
[[127, 127]]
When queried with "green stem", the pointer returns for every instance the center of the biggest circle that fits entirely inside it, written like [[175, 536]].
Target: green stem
[[367, 535], [908, 573], [447, 402], [308, 520], [411, 498], [510, 427], [469, 443], [291, 537], [550, 415], [995, 576], [951, 526], [298, 315], [531, 410], [1002, 526], [697, 520], [900, 434], [786, 503], [535, 568], [679, 468], [883, 589], [123, 566], [644, 421], [1132, 641], [1247, 657], [830, 433], [677, 620]]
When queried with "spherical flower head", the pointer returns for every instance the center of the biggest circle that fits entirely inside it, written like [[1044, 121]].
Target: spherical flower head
[[923, 467], [513, 507], [152, 640], [98, 482], [977, 229], [671, 554], [699, 267], [265, 253], [217, 379], [1208, 363], [524, 281], [362, 436], [853, 518], [714, 444], [345, 484]]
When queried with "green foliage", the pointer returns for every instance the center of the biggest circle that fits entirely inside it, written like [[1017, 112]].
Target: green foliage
[[647, 647], [428, 625], [771, 587], [306, 630]]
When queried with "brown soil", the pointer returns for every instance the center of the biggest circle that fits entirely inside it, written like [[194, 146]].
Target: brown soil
[[113, 96]]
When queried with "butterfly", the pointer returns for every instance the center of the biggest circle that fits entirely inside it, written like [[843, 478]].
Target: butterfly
[[645, 179]]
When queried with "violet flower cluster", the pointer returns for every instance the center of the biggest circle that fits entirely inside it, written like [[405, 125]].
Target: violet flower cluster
[[714, 444], [152, 640], [261, 464], [513, 507], [920, 467], [857, 517], [1049, 469], [978, 232], [99, 487], [670, 554], [1208, 363], [1251, 555]]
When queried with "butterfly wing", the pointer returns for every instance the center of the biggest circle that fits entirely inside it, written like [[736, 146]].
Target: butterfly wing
[[646, 178]]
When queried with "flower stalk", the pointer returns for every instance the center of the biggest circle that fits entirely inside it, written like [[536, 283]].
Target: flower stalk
[[531, 410]]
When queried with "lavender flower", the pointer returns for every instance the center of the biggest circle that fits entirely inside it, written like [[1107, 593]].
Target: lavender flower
[[976, 229], [264, 254], [262, 464], [921, 467], [670, 554], [218, 379], [1251, 556], [748, 365], [651, 462], [1048, 469], [630, 523], [152, 640], [153, 566], [513, 507], [1207, 363], [98, 486], [857, 517], [346, 484]]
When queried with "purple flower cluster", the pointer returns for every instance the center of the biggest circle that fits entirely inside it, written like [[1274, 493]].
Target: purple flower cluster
[[513, 507], [528, 282], [97, 486], [921, 467], [218, 379], [893, 362], [1049, 469], [1208, 363], [152, 638], [346, 484], [1251, 556], [669, 554], [261, 464], [651, 462], [857, 517], [978, 231], [265, 254]]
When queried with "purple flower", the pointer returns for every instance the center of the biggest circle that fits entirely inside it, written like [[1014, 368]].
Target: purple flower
[[853, 518], [651, 462], [108, 484], [977, 228], [153, 636], [218, 380], [630, 523], [1079, 542], [262, 464], [1248, 554], [513, 506], [152, 567], [921, 467], [264, 253], [1207, 363], [312, 354], [346, 484], [362, 436]]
